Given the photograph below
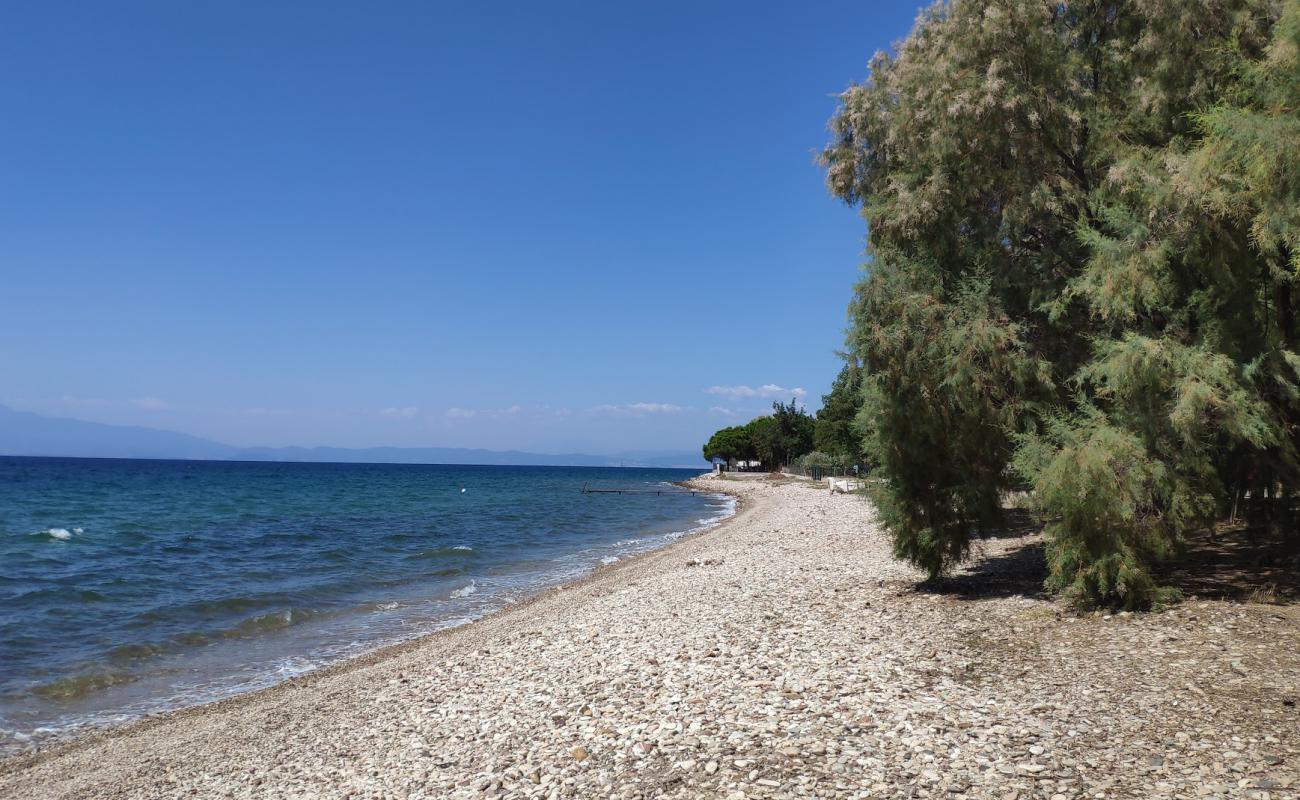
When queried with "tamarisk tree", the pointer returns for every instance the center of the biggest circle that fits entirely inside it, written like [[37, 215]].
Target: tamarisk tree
[[1084, 222]]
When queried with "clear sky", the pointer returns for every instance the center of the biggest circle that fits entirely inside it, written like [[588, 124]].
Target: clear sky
[[553, 226]]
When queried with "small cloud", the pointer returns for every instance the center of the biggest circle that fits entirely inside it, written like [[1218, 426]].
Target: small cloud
[[726, 412], [732, 391], [151, 404], [466, 413], [766, 390], [654, 408], [637, 409], [400, 413]]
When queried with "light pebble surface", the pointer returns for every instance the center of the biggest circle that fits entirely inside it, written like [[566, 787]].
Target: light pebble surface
[[783, 654]]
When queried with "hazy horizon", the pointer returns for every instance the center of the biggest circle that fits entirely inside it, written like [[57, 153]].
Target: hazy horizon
[[25, 434]]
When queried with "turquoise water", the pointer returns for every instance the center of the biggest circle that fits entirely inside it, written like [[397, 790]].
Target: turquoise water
[[128, 587]]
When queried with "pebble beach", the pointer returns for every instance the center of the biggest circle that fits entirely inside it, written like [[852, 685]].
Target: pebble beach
[[783, 653]]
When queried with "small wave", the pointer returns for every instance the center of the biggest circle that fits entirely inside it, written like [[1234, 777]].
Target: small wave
[[263, 622], [57, 534], [266, 623], [76, 687], [60, 595], [135, 652], [293, 666], [218, 606], [376, 606], [702, 524], [193, 638], [607, 560], [458, 551], [453, 622], [466, 591]]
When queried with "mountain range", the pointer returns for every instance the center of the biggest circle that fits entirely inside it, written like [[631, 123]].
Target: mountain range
[[23, 433]]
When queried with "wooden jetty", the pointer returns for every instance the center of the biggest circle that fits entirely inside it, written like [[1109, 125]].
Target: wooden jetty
[[588, 490]]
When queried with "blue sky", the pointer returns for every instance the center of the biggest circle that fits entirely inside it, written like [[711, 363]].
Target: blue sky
[[548, 226]]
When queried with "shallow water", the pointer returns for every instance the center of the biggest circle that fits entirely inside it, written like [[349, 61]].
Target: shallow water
[[128, 587]]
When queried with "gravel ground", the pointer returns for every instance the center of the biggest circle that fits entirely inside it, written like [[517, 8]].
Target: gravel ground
[[784, 654]]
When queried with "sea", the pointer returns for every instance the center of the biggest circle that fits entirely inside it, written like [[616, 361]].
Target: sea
[[130, 587]]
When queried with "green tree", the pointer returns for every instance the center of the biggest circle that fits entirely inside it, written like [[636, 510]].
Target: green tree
[[774, 441], [835, 433], [824, 461], [765, 437], [1083, 222], [791, 433], [731, 445]]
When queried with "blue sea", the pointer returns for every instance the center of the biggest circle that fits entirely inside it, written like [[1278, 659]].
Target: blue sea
[[129, 587]]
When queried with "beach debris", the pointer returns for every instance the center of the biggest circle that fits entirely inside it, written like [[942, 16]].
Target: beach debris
[[703, 562]]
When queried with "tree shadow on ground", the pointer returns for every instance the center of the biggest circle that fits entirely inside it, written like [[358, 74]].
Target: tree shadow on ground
[[1233, 563], [1237, 563], [1012, 563]]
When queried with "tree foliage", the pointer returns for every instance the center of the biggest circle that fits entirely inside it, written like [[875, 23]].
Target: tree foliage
[[835, 433], [775, 441], [789, 436], [816, 459], [1083, 227], [731, 445]]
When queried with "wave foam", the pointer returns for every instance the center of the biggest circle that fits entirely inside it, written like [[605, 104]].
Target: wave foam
[[466, 591], [728, 508]]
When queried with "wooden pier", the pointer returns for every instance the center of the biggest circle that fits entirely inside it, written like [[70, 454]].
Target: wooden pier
[[588, 490]]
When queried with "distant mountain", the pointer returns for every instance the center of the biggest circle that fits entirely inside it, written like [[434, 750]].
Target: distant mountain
[[23, 433], [461, 455]]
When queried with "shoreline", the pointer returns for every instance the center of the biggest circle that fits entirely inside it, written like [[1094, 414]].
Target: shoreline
[[782, 653], [94, 734]]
